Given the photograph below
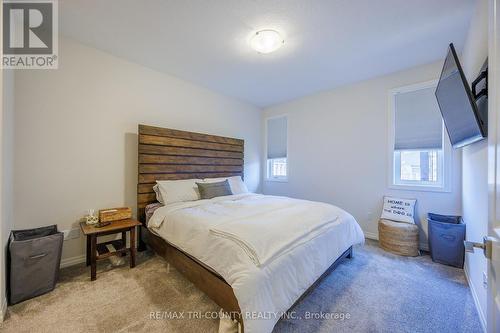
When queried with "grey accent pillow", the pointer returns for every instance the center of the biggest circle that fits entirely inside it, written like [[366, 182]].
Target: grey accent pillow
[[212, 190]]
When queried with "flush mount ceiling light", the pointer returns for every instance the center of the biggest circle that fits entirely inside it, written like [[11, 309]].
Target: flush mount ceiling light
[[266, 41]]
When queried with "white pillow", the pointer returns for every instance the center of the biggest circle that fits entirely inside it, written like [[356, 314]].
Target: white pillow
[[159, 198], [235, 182], [173, 191], [399, 210], [237, 185]]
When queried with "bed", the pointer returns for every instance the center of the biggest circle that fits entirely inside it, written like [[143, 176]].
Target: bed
[[198, 238]]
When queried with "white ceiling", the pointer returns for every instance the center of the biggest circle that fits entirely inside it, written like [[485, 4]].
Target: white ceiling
[[327, 42]]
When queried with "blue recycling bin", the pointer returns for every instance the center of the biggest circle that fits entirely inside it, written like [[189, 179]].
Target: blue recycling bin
[[446, 239]]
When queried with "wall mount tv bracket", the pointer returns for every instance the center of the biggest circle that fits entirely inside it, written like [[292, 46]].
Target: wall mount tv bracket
[[484, 91]]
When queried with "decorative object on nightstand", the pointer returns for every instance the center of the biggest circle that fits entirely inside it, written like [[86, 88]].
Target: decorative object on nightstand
[[90, 218], [397, 230], [104, 250]]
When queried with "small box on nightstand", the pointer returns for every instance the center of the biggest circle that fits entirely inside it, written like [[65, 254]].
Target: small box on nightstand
[[115, 214]]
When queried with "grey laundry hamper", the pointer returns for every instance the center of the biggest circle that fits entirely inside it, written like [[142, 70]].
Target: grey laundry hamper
[[34, 259]]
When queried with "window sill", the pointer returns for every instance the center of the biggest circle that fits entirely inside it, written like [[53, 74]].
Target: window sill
[[277, 180], [420, 188]]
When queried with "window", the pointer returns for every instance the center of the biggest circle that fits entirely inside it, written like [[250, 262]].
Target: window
[[418, 167], [276, 168], [420, 150], [277, 146]]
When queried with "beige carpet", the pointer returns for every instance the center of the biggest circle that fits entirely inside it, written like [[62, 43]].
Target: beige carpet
[[380, 291], [120, 300]]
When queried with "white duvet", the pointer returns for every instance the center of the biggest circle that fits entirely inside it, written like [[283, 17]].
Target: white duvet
[[269, 249]]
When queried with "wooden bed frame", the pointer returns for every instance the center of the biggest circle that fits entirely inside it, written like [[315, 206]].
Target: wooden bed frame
[[167, 154]]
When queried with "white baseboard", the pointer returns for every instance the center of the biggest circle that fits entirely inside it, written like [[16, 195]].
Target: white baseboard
[[472, 287], [72, 261], [371, 235], [3, 310], [424, 246]]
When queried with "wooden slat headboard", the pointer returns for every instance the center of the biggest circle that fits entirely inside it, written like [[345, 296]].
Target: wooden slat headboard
[[168, 154]]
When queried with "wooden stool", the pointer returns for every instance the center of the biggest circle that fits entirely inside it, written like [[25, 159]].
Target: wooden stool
[[398, 237]]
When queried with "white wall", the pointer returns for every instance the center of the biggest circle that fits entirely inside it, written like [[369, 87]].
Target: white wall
[[338, 150], [6, 122], [475, 162], [76, 133]]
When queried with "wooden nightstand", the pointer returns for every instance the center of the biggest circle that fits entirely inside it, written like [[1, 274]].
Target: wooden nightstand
[[100, 251]]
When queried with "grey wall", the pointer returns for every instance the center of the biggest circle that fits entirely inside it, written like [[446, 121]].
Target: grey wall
[[7, 154]]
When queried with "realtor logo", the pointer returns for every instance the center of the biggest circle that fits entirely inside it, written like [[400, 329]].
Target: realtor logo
[[29, 34]]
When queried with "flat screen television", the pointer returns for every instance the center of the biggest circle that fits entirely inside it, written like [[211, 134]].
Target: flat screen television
[[464, 113]]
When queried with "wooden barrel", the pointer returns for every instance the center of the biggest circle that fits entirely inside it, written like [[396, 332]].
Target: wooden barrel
[[398, 237]]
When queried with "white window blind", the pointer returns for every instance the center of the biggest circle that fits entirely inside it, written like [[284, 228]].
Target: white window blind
[[418, 122], [277, 138]]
